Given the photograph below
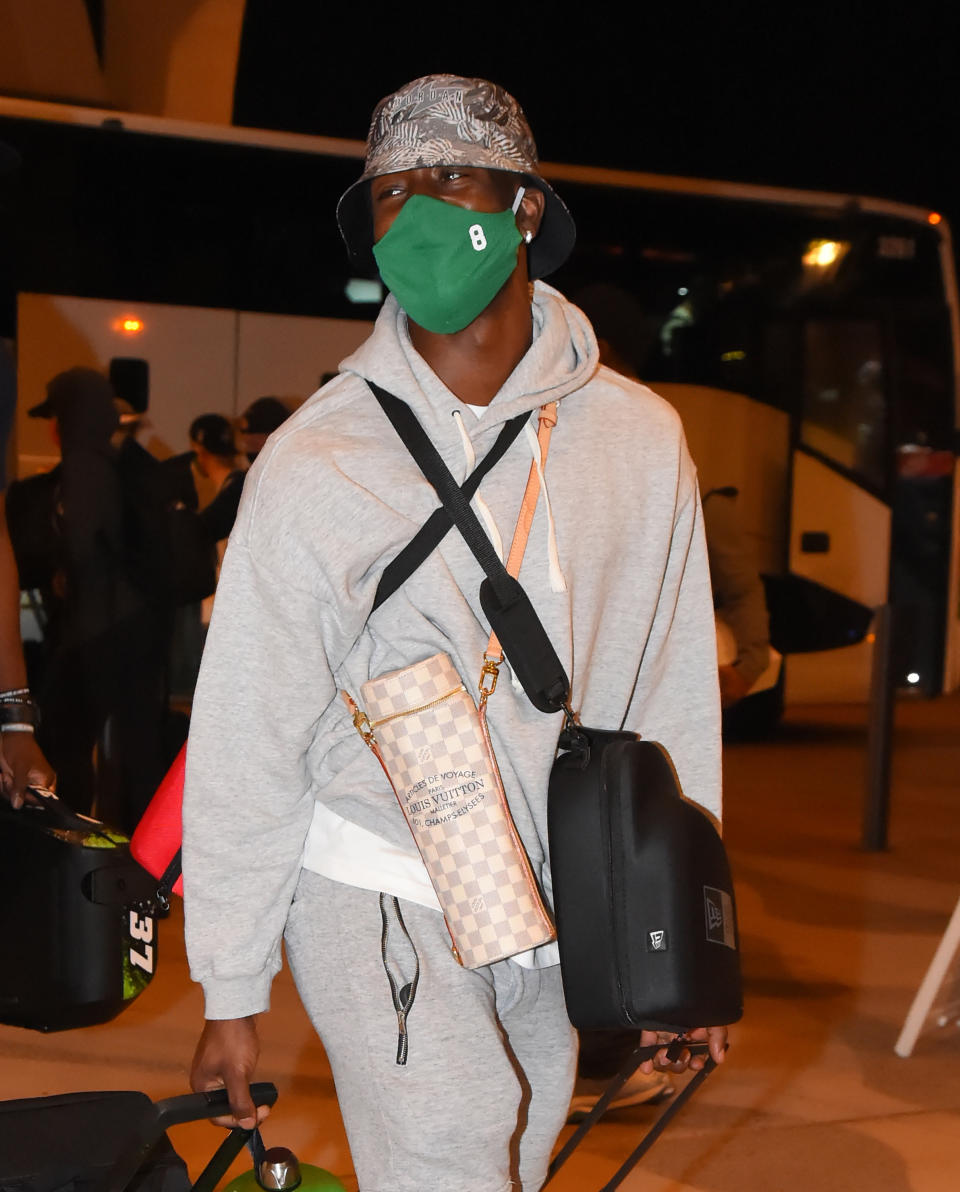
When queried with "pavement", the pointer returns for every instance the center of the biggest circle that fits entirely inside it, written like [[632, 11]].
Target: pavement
[[835, 942]]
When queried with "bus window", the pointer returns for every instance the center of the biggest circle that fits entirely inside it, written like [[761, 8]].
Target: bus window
[[843, 414], [779, 323]]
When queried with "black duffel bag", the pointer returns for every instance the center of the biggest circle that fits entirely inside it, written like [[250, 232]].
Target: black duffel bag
[[111, 1141], [643, 897], [78, 918]]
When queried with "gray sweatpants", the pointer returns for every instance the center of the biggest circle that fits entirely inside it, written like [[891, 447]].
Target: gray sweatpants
[[490, 1055]]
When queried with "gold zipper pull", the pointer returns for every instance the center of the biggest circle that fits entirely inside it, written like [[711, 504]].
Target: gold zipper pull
[[362, 725], [359, 717]]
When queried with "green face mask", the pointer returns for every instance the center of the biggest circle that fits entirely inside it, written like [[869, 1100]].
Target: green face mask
[[444, 264]]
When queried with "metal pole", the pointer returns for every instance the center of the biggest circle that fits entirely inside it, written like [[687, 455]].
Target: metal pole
[[876, 807]]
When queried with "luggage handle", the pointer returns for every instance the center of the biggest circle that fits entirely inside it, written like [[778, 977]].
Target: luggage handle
[[630, 1065], [194, 1107], [175, 1111], [58, 815]]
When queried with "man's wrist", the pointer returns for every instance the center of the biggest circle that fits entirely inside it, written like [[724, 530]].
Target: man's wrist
[[18, 712]]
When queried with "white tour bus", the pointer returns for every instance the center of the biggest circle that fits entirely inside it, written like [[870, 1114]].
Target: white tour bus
[[809, 341]]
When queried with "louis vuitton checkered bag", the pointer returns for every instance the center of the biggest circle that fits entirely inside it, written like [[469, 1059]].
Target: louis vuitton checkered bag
[[427, 733]]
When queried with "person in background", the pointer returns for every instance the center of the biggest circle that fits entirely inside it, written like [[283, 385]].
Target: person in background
[[103, 683], [22, 762], [215, 458], [259, 420], [291, 832], [199, 492], [625, 334], [624, 337], [738, 599]]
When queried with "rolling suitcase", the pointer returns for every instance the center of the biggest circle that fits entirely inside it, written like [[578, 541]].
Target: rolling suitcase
[[110, 1142], [78, 918]]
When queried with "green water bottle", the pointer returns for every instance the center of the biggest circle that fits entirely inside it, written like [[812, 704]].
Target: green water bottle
[[279, 1169]]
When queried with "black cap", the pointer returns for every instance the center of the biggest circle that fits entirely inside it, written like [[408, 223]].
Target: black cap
[[82, 401]]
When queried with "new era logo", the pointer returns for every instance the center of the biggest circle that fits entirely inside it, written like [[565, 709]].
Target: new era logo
[[719, 917], [656, 941]]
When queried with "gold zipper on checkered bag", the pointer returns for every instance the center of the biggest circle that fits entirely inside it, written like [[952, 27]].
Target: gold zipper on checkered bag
[[365, 726]]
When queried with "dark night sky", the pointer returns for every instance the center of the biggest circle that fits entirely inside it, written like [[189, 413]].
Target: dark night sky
[[852, 96]]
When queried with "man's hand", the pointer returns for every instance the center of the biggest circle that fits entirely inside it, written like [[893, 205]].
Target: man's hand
[[226, 1057], [22, 765], [733, 686], [716, 1036]]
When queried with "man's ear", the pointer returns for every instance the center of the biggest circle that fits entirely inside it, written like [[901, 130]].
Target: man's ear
[[530, 215]]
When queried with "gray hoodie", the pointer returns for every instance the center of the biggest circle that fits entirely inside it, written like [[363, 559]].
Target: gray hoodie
[[330, 501]]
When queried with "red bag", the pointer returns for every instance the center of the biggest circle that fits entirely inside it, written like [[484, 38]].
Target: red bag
[[157, 838]]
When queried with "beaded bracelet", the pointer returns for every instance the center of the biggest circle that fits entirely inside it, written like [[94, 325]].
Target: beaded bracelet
[[15, 695]]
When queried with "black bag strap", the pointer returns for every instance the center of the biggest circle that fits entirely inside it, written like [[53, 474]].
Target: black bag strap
[[418, 443], [630, 1065], [435, 528], [56, 814], [506, 605], [168, 879]]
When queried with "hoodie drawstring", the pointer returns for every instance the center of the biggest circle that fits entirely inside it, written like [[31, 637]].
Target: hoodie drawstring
[[481, 504], [537, 440]]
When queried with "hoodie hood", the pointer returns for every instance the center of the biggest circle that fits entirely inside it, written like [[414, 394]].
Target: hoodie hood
[[562, 357]]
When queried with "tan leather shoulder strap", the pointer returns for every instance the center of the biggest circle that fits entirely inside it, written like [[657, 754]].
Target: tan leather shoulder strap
[[528, 507]]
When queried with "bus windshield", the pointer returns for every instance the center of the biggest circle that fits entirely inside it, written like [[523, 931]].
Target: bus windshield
[[822, 313]]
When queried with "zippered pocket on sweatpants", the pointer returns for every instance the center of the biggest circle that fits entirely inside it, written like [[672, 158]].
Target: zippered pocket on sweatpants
[[403, 990]]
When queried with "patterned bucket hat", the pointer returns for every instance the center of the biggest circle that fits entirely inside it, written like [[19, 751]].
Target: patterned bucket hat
[[446, 120]]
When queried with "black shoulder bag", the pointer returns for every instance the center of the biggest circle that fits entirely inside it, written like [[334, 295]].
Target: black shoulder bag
[[643, 897]]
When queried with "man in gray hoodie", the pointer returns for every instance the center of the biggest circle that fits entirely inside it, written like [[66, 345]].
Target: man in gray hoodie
[[291, 830]]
